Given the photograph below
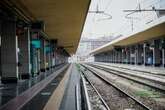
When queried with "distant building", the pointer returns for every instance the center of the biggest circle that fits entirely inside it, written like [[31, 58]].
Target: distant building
[[88, 44], [95, 43]]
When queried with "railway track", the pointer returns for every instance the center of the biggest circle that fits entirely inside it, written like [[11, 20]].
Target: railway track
[[142, 74], [118, 99], [93, 98], [155, 84], [156, 74]]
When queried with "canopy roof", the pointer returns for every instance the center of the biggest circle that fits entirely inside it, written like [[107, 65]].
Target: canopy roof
[[154, 30], [64, 19]]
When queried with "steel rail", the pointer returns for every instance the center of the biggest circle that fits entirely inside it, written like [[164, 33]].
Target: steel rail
[[77, 97], [147, 72], [86, 93], [127, 76], [103, 101], [109, 83]]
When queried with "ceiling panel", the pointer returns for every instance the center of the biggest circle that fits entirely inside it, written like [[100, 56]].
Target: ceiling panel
[[64, 19]]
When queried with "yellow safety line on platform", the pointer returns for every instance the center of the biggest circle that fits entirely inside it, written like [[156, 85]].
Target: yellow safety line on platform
[[57, 96]]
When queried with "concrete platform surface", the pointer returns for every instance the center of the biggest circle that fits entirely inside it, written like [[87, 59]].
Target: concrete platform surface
[[69, 99], [12, 92], [57, 96], [154, 77], [141, 68]]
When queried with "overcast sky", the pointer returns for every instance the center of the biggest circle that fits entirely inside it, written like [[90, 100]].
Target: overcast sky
[[96, 27]]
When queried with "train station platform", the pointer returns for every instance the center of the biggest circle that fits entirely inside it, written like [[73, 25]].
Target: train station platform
[[58, 90], [139, 68], [72, 92], [18, 95]]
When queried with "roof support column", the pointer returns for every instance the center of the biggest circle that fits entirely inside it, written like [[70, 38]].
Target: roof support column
[[35, 53], [95, 58], [127, 55], [163, 57], [147, 54], [42, 56], [106, 57], [9, 54], [144, 54], [53, 49], [122, 61], [109, 56], [120, 56], [163, 52], [139, 54], [136, 54], [112, 56], [156, 53], [132, 54], [24, 53], [51, 55], [115, 56], [48, 60], [99, 57]]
